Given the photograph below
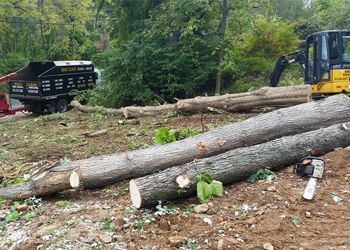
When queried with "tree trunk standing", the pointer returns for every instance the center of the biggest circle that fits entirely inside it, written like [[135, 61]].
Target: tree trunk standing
[[221, 32], [99, 8], [237, 164], [41, 9], [104, 170]]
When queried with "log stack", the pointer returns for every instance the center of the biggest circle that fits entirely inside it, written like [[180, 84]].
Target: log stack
[[230, 153]]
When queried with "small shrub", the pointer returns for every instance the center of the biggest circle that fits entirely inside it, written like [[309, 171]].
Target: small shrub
[[63, 203], [261, 174], [186, 132], [12, 216], [165, 135]]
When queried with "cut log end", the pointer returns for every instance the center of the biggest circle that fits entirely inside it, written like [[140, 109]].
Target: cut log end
[[135, 194], [183, 181], [74, 179]]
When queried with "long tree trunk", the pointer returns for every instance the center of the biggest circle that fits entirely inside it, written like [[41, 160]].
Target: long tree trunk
[[264, 97], [127, 112], [237, 164], [104, 170]]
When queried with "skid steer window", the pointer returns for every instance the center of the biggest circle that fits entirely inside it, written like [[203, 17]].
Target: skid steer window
[[310, 64], [346, 46], [324, 54], [333, 46]]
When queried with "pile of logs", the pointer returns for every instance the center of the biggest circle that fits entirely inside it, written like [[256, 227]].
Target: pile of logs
[[230, 153]]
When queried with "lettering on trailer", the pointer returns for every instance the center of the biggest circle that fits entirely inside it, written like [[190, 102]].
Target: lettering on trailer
[[17, 84], [17, 87], [32, 88], [82, 85], [70, 69]]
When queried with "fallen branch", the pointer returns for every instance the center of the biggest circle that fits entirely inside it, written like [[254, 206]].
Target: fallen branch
[[104, 170], [96, 133], [236, 164], [96, 109], [264, 97], [127, 112]]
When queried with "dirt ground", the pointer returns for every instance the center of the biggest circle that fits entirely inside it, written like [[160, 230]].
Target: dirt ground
[[265, 214]]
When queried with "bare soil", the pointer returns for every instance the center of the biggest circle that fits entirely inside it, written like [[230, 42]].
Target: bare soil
[[246, 217]]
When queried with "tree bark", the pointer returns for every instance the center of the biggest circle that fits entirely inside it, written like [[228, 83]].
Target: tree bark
[[104, 170], [221, 32], [136, 112], [237, 164], [97, 109], [127, 112], [264, 97]]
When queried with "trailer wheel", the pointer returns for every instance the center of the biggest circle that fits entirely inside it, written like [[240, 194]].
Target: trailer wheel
[[61, 106]]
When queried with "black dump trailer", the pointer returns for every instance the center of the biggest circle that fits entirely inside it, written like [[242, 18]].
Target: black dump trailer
[[50, 86]]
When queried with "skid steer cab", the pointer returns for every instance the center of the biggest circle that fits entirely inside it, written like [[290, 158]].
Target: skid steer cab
[[325, 62], [49, 86]]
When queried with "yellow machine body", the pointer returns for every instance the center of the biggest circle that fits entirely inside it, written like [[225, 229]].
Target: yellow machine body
[[339, 83]]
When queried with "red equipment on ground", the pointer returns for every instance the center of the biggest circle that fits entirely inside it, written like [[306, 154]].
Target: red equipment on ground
[[5, 107]]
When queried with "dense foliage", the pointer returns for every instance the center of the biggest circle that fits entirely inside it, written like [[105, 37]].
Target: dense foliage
[[154, 51]]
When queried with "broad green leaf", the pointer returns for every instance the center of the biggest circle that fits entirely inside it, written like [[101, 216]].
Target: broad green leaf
[[216, 188], [204, 192]]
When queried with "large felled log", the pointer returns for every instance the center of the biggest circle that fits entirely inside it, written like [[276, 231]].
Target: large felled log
[[96, 109], [127, 112], [237, 164], [105, 170], [264, 97], [135, 112]]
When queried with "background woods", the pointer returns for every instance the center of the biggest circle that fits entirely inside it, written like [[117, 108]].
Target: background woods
[[152, 51]]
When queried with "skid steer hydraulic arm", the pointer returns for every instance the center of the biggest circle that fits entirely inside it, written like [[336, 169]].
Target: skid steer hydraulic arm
[[283, 62]]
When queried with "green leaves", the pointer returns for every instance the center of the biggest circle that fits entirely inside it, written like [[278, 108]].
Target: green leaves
[[207, 187], [28, 215], [12, 216], [261, 174], [165, 135], [186, 132], [63, 203]]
